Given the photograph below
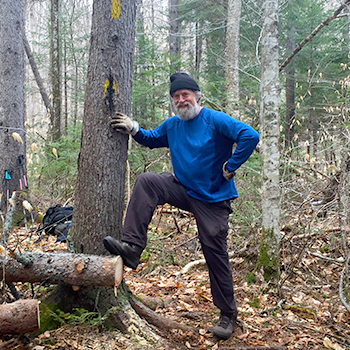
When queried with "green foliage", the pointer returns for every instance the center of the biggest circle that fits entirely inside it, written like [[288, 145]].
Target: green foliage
[[56, 176], [54, 318], [255, 302], [250, 278]]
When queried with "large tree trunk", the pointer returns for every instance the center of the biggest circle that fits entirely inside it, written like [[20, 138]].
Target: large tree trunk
[[270, 133], [55, 72], [99, 197], [232, 56], [12, 113]]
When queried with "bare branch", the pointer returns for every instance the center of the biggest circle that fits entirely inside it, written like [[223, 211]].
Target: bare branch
[[314, 32]]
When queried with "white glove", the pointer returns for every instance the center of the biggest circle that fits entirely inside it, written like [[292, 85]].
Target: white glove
[[228, 175], [122, 123]]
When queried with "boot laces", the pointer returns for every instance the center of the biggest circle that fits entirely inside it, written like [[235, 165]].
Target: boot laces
[[224, 321]]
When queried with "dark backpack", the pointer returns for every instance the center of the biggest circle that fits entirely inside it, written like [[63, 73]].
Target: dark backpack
[[56, 222]]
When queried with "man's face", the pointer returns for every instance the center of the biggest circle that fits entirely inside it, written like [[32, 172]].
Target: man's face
[[185, 104]]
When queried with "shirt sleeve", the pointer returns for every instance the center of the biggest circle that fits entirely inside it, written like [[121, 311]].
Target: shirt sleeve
[[245, 137], [153, 138]]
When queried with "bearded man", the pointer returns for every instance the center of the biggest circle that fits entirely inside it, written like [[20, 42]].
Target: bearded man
[[201, 142]]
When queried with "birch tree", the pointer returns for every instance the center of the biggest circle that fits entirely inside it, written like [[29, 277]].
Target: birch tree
[[174, 39], [270, 133], [232, 57]]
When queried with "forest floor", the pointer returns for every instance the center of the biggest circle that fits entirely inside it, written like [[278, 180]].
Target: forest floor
[[305, 312]]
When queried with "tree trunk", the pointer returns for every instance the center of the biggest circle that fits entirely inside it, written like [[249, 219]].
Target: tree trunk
[[12, 114], [37, 76], [99, 197], [290, 96], [199, 49], [55, 73], [21, 316], [270, 133], [174, 39], [232, 56]]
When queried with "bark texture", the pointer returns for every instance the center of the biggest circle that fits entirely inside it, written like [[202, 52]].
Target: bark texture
[[99, 199], [270, 132], [290, 94], [12, 113], [174, 39], [55, 72], [232, 56], [21, 316], [69, 269]]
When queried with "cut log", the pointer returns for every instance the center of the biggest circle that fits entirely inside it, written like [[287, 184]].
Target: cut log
[[63, 268], [21, 316]]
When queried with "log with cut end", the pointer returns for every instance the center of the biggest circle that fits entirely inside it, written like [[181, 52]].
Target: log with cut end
[[64, 268], [21, 316]]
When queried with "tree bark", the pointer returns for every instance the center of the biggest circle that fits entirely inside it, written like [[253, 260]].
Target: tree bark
[[55, 72], [99, 197], [290, 95], [270, 133], [70, 269], [174, 39], [21, 316], [232, 58], [12, 113]]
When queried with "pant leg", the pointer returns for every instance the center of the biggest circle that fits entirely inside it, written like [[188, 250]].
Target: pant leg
[[212, 223], [150, 190]]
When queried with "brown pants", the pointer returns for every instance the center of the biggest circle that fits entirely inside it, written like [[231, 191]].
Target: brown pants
[[151, 190]]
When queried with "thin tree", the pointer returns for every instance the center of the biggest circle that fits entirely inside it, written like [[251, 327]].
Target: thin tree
[[270, 133], [232, 56], [55, 71], [12, 114], [174, 39]]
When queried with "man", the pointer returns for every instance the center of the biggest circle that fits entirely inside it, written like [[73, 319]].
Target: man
[[200, 142]]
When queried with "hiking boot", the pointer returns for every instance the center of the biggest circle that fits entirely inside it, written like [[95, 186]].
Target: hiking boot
[[128, 251], [224, 328]]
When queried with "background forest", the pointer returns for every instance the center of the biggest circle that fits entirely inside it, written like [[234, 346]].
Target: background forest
[[193, 36]]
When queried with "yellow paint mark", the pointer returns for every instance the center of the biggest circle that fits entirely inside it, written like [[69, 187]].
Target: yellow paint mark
[[115, 11], [115, 87], [105, 86]]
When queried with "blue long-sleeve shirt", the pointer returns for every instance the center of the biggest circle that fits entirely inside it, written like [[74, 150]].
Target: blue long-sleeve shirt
[[199, 147]]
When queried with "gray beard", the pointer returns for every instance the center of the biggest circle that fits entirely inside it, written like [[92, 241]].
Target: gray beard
[[187, 113]]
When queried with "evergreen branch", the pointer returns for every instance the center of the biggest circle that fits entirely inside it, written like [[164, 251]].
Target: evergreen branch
[[313, 33]]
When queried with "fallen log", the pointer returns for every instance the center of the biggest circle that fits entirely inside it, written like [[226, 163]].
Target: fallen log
[[21, 316], [63, 268]]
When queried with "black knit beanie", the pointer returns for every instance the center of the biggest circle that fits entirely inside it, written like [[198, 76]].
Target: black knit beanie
[[182, 81]]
